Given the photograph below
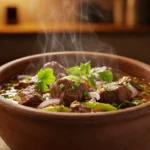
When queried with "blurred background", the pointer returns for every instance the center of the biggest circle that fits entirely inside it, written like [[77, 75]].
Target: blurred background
[[29, 27]]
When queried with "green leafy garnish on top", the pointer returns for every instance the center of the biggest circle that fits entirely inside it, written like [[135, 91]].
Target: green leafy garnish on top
[[82, 70], [106, 75], [102, 74], [45, 78]]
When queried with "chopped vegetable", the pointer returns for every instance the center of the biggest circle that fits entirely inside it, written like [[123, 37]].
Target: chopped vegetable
[[61, 86], [144, 92], [101, 106], [86, 94], [138, 102], [17, 98], [73, 88], [59, 108], [138, 86], [76, 84], [45, 78], [126, 103], [5, 95], [94, 95], [28, 78]]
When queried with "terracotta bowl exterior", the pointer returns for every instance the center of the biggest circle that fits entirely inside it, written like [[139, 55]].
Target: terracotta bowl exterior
[[24, 128]]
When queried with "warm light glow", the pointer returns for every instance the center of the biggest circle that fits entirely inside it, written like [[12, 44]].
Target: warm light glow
[[46, 11], [31, 11]]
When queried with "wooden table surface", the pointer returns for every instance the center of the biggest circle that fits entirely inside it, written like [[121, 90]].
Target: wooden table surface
[[3, 146]]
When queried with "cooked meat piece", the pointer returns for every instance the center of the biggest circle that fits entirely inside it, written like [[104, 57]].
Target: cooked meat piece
[[59, 70], [126, 79], [114, 93], [79, 108], [23, 84], [30, 96], [67, 91]]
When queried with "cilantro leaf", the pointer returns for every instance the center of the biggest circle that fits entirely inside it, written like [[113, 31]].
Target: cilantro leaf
[[82, 70], [42, 86], [74, 71], [45, 78], [85, 68], [106, 75], [91, 81]]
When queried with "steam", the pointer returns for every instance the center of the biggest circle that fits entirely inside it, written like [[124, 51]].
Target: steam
[[67, 41]]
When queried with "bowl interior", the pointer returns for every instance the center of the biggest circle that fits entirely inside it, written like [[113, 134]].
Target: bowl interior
[[33, 63]]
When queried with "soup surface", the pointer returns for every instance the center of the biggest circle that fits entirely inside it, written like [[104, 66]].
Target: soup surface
[[80, 88]]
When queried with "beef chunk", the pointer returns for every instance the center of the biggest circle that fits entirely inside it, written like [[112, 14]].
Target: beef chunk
[[59, 70], [30, 96], [67, 91], [79, 108], [114, 93], [23, 84], [127, 79]]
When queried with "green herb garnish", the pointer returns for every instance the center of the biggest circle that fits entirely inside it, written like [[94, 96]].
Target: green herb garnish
[[138, 102], [102, 74], [143, 86], [73, 88], [105, 75], [106, 89], [5, 95], [76, 84], [91, 81], [85, 94], [85, 68], [127, 103], [61, 86], [82, 70], [138, 86], [28, 78], [144, 93], [45, 78]]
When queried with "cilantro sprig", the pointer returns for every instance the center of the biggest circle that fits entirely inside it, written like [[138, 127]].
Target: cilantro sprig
[[82, 70], [45, 78], [85, 70], [106, 75]]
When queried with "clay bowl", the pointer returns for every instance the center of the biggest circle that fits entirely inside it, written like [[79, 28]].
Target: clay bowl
[[24, 128]]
